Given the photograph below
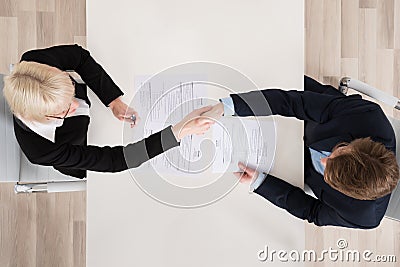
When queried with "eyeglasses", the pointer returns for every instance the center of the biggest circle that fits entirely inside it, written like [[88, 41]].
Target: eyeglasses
[[72, 80], [61, 118], [69, 107], [58, 117]]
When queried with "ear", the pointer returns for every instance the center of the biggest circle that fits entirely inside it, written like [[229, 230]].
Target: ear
[[75, 104]]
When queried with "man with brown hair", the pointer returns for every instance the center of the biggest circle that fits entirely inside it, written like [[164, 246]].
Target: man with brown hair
[[349, 157], [363, 169]]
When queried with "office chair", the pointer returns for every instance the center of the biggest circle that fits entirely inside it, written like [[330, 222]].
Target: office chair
[[15, 167]]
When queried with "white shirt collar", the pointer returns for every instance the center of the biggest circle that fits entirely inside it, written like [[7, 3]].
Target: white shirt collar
[[48, 130]]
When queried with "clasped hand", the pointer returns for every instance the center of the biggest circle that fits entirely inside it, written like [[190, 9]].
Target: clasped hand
[[196, 122], [193, 123]]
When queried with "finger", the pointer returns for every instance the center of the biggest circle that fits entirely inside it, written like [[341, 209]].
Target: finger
[[130, 113], [132, 119], [245, 168], [206, 126], [130, 109], [127, 120], [203, 109], [137, 117], [206, 120], [134, 112], [203, 120], [207, 114], [134, 122], [242, 166], [242, 176], [202, 130]]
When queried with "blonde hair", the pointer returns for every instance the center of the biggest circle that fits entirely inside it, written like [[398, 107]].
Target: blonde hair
[[34, 90]]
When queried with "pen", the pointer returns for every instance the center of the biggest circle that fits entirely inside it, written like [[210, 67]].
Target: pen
[[133, 118]]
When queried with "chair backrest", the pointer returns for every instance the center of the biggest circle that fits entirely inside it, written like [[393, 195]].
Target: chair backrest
[[32, 173], [10, 152]]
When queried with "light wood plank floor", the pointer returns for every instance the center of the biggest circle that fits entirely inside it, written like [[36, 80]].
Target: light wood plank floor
[[360, 39], [357, 38], [40, 229]]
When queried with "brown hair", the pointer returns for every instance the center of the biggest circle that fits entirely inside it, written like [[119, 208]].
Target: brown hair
[[366, 170]]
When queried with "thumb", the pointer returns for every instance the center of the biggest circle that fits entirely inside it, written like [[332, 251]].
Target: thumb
[[242, 166]]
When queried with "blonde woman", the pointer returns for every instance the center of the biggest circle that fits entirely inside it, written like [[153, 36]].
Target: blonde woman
[[51, 114]]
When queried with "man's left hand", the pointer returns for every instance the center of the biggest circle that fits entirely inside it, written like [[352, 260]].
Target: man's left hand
[[247, 174]]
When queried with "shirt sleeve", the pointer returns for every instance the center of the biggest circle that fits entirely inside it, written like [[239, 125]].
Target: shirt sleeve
[[229, 108], [258, 181]]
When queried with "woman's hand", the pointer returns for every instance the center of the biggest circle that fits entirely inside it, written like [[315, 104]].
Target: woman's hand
[[123, 112], [193, 123]]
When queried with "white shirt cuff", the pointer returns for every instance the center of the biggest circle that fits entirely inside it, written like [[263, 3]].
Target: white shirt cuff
[[258, 181], [229, 108]]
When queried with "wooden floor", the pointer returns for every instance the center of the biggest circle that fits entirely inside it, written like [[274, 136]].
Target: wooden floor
[[357, 38], [360, 39], [40, 229]]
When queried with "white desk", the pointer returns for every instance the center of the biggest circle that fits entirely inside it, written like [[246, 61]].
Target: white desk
[[262, 39]]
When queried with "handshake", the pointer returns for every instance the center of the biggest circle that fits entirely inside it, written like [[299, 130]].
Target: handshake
[[198, 121]]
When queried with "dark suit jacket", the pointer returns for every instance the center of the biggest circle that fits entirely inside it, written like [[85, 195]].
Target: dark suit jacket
[[70, 153], [330, 118]]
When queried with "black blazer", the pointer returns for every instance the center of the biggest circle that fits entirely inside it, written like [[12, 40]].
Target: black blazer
[[70, 153], [330, 118]]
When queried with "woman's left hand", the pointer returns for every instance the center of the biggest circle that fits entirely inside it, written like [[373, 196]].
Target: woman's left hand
[[123, 112]]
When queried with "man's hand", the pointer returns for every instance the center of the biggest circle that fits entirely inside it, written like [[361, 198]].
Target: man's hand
[[247, 174], [193, 123], [216, 112], [123, 112]]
